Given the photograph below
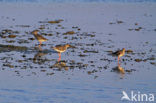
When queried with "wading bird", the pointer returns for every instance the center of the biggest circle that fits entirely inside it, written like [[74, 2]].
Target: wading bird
[[60, 49], [39, 37], [119, 53]]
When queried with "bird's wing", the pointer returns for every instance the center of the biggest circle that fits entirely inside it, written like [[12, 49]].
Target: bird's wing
[[40, 37]]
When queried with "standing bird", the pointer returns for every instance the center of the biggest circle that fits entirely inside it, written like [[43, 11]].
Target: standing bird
[[40, 38], [119, 53], [60, 49]]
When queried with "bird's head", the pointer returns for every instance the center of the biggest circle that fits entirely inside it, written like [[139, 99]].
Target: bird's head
[[123, 49], [35, 32], [67, 46]]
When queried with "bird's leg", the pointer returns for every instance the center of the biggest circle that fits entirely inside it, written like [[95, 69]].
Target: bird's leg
[[59, 54], [40, 43], [118, 60], [59, 57], [118, 65], [39, 46]]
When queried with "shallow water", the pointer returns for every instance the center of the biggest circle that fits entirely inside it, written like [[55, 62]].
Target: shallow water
[[85, 73]]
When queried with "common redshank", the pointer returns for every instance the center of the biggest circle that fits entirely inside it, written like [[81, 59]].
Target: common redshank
[[60, 49], [120, 53], [39, 37]]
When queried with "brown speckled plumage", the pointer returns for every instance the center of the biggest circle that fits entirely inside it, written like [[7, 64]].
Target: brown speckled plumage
[[40, 38], [61, 48], [120, 53]]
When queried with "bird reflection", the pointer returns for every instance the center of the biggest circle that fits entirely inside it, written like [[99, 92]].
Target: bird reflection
[[38, 57], [60, 65], [60, 49], [119, 70]]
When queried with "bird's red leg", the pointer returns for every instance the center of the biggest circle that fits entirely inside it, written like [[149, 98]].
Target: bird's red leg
[[59, 57], [40, 46], [40, 43], [118, 65], [118, 60]]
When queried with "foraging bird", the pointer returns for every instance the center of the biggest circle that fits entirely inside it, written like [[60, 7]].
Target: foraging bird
[[119, 53], [40, 38], [60, 49]]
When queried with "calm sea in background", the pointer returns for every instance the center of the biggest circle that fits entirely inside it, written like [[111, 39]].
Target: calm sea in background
[[63, 1]]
